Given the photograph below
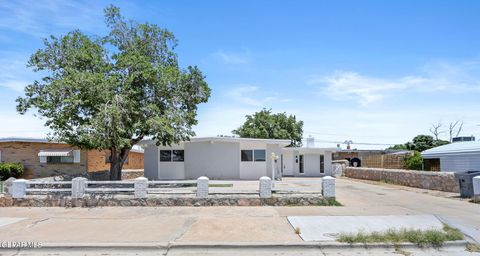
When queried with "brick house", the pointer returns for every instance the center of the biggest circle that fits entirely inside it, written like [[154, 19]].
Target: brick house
[[43, 158]]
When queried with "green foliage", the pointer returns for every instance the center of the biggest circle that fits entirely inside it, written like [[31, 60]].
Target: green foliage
[[431, 237], [110, 92], [420, 143], [8, 170], [398, 147], [266, 125], [414, 162]]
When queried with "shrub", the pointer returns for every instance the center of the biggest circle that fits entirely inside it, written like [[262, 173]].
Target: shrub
[[8, 170], [414, 162]]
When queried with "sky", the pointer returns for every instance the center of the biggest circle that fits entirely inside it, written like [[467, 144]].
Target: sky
[[373, 72]]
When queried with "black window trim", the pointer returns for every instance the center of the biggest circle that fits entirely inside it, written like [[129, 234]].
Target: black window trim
[[253, 155]]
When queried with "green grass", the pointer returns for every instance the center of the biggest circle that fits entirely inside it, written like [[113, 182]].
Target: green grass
[[475, 200], [220, 185], [432, 237], [473, 247], [330, 202]]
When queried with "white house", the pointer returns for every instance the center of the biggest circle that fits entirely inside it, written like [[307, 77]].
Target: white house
[[232, 158], [454, 157]]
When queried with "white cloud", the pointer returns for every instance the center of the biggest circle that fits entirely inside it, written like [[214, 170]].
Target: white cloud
[[15, 75], [16, 85], [41, 18], [442, 76], [254, 96], [232, 57]]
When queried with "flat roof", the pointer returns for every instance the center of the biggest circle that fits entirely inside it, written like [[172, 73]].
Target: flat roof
[[27, 139], [42, 140], [310, 150], [464, 147], [229, 139]]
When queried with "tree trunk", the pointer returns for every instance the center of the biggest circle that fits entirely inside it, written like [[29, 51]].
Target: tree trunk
[[118, 157]]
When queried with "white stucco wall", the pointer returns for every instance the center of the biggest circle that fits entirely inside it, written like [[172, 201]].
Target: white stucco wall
[[217, 160], [151, 161]]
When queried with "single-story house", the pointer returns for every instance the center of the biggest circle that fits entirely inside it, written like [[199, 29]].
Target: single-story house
[[232, 158], [454, 157], [43, 158]]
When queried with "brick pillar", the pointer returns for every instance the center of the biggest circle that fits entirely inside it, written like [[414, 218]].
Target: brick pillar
[[202, 187], [265, 188], [79, 185], [476, 186], [19, 188], [140, 184], [7, 186], [328, 187]]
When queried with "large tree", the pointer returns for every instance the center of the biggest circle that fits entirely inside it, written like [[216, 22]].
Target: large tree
[[108, 93], [266, 125]]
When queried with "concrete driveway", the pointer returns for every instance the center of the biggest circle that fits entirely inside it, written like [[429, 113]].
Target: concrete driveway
[[224, 224]]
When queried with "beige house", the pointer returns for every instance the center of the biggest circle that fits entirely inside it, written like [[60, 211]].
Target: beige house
[[43, 158]]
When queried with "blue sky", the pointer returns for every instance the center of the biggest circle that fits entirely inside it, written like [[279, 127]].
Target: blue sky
[[367, 71]]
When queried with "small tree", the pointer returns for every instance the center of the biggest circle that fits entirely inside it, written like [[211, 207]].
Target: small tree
[[454, 129], [435, 129], [414, 162], [266, 125], [108, 93]]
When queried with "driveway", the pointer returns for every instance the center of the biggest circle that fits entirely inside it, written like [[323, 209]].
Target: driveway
[[224, 224]]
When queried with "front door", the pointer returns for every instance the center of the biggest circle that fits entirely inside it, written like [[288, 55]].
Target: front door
[[287, 163]]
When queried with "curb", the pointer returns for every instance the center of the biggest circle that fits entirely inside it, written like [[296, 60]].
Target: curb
[[186, 245]]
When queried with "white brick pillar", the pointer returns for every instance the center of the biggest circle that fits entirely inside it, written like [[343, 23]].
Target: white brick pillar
[[202, 187], [265, 187], [19, 188], [79, 185], [476, 186], [7, 186], [328, 187], [140, 184]]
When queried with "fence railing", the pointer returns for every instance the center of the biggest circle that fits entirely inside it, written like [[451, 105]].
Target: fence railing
[[141, 187]]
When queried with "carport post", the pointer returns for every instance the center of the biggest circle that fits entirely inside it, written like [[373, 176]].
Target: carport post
[[78, 187], [476, 187], [19, 188], [202, 187], [265, 188], [328, 187], [140, 186]]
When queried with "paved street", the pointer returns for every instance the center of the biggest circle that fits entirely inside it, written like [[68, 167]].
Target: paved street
[[223, 225]]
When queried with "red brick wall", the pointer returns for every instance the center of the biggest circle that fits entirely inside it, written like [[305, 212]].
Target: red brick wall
[[27, 154], [97, 161]]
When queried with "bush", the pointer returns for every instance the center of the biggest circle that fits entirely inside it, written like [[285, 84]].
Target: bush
[[414, 162], [8, 170]]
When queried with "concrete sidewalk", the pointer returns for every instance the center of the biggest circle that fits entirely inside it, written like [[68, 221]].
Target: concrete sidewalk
[[223, 225]]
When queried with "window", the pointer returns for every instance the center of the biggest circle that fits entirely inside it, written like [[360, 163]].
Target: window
[[322, 164], [259, 155], [301, 167], [172, 155], [247, 155], [60, 159], [178, 155], [165, 155]]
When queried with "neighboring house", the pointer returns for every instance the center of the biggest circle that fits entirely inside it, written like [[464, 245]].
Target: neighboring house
[[454, 157], [232, 158], [365, 157], [43, 158]]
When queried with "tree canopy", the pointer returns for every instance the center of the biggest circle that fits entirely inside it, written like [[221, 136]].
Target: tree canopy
[[110, 92], [266, 125], [420, 143]]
